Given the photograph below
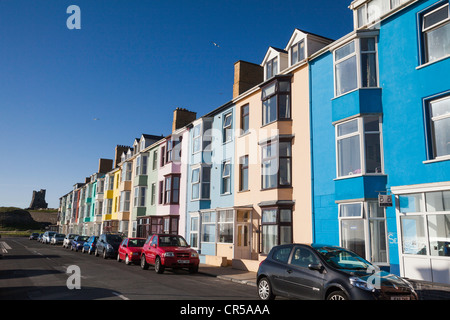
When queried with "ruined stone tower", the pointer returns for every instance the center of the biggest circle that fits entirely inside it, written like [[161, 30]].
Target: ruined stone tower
[[38, 200]]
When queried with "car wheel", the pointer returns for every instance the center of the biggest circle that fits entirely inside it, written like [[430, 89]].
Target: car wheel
[[83, 251], [127, 260], [159, 268], [105, 256], [118, 258], [144, 264], [337, 295], [265, 289], [96, 253]]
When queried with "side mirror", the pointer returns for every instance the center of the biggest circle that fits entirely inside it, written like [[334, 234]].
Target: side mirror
[[317, 267], [154, 245]]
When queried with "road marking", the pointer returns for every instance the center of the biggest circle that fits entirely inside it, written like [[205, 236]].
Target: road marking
[[120, 295], [4, 246]]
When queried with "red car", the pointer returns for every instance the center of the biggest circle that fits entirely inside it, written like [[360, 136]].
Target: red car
[[130, 250], [168, 250]]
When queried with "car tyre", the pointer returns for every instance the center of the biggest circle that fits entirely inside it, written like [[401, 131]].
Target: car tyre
[[127, 260], [159, 268], [337, 295], [96, 253], [265, 289], [118, 257], [193, 269], [105, 256], [144, 264]]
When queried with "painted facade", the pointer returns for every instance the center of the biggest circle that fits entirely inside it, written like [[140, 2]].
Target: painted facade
[[312, 138]]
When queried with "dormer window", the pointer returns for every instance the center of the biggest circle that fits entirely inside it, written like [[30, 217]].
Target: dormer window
[[297, 52], [272, 68]]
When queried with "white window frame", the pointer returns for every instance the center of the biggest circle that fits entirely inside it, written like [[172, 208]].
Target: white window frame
[[432, 135], [227, 126], [297, 45], [140, 194], [125, 197], [194, 216], [362, 145], [226, 177], [197, 138], [433, 27], [200, 182], [270, 67], [356, 53], [364, 216]]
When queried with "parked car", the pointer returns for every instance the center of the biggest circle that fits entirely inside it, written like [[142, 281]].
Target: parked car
[[58, 238], [47, 236], [34, 236], [168, 251], [107, 245], [39, 238], [326, 272], [78, 242], [89, 245], [130, 250], [68, 240]]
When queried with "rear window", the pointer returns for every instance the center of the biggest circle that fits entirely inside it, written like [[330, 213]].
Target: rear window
[[281, 254], [113, 238]]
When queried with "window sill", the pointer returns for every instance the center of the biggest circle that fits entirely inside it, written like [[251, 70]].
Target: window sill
[[243, 191], [361, 175], [245, 134], [432, 62], [353, 90], [446, 158]]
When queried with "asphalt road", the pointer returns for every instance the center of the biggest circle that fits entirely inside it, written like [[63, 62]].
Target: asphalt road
[[34, 271]]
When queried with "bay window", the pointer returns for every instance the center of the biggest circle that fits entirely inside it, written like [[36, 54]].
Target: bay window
[[358, 146], [355, 65], [139, 196], [225, 224], [276, 101], [125, 201], [200, 183], [276, 164], [363, 230], [276, 227]]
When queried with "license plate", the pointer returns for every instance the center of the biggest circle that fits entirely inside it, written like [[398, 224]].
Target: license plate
[[183, 261], [400, 298]]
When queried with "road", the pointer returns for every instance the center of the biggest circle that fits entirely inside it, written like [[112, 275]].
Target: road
[[34, 271]]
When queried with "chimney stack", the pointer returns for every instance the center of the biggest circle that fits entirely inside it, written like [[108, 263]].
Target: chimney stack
[[246, 76], [182, 117], [105, 165], [119, 150]]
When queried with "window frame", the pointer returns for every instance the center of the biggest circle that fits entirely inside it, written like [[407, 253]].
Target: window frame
[[429, 125], [243, 167], [245, 115], [169, 193], [277, 94], [278, 223], [201, 184], [366, 220], [423, 31], [275, 160], [357, 53], [361, 134], [226, 178], [227, 128], [272, 67], [298, 46]]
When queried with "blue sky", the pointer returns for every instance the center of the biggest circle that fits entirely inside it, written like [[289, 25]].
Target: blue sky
[[129, 66]]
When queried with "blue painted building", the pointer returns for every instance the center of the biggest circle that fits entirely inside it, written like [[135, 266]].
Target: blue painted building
[[380, 125], [210, 191]]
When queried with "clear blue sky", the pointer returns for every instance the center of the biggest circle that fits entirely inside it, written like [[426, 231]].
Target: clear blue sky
[[130, 65]]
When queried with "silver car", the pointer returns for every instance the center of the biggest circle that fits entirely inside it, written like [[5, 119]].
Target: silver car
[[58, 239], [67, 243], [47, 236]]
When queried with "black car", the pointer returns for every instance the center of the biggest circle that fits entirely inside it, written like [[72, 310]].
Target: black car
[[326, 272], [108, 245]]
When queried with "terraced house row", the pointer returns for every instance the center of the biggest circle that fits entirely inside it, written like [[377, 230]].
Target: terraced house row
[[315, 137]]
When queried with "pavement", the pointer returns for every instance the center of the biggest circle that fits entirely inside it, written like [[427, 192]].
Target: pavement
[[425, 290]]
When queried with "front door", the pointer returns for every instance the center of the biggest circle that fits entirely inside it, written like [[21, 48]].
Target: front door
[[243, 241]]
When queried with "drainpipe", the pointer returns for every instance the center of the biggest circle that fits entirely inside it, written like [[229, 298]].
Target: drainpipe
[[311, 154]]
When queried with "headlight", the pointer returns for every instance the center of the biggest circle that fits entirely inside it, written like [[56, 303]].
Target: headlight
[[194, 255], [361, 284], [169, 254]]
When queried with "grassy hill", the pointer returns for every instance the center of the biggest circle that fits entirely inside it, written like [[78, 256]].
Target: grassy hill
[[17, 219]]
